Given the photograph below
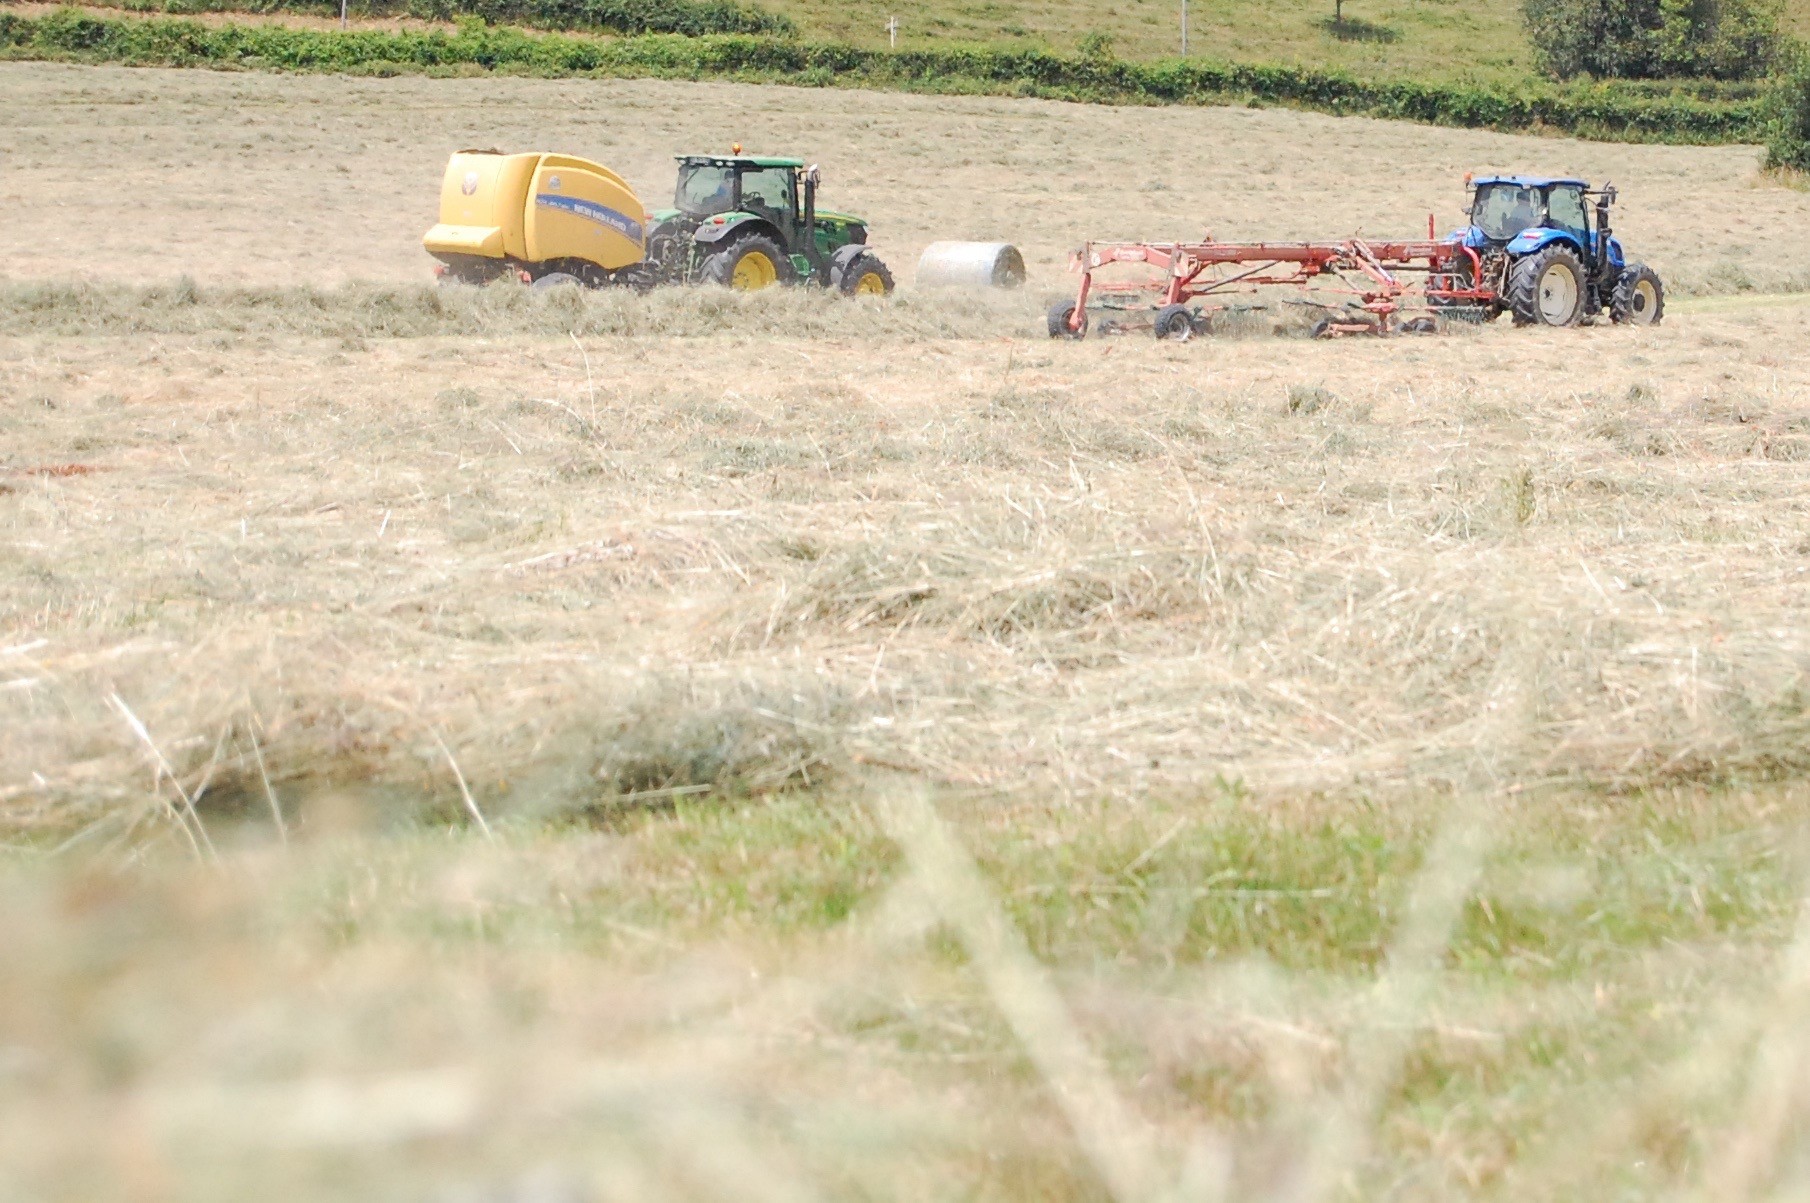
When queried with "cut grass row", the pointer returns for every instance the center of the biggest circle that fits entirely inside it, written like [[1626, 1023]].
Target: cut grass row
[[1596, 112], [362, 311]]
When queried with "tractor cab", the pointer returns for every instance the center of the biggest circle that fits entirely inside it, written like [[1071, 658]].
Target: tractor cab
[[1544, 245], [712, 186], [753, 221], [1503, 207], [1523, 214], [722, 193]]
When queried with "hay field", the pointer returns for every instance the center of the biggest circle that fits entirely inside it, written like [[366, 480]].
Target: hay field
[[272, 180], [468, 745]]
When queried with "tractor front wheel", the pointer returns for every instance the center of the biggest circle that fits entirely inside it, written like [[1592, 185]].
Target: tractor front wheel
[[1639, 297], [748, 264], [864, 276], [1547, 288]]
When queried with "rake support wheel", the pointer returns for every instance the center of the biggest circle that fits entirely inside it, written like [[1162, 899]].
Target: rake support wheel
[[1176, 323], [1060, 315]]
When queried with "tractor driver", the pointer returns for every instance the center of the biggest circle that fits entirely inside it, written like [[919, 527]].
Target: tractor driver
[[706, 190], [1526, 211]]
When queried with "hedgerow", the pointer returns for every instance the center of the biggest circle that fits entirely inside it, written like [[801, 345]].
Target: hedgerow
[[1788, 132], [694, 18], [71, 34]]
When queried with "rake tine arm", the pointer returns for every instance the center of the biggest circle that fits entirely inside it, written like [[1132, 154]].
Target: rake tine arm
[[1371, 272]]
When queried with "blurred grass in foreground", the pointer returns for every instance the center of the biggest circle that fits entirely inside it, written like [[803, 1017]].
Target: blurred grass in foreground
[[788, 993]]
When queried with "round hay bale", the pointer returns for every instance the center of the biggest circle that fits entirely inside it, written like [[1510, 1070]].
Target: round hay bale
[[970, 265]]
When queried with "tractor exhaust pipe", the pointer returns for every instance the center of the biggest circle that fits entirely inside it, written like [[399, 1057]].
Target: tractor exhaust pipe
[[1604, 199]]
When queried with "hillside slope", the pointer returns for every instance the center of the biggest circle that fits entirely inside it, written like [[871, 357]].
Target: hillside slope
[[1447, 39], [1471, 41]]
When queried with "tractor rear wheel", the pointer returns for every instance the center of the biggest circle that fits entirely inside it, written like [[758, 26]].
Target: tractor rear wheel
[[1547, 288], [864, 276], [1061, 313], [748, 264], [1639, 297]]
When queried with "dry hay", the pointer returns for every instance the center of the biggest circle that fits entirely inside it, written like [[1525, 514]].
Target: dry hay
[[1109, 567], [316, 180], [1193, 644]]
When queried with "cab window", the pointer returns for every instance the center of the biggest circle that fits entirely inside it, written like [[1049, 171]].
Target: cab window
[[1503, 210], [1565, 210], [705, 189], [768, 190]]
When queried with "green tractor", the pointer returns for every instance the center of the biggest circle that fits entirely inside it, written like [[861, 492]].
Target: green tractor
[[751, 222]]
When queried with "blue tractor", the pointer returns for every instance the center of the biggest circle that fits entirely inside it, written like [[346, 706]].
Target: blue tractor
[[1545, 253]]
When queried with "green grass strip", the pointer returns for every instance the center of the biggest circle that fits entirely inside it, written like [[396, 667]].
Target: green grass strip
[[693, 18], [74, 35]]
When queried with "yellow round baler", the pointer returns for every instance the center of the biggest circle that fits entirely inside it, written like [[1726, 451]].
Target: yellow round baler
[[550, 218]]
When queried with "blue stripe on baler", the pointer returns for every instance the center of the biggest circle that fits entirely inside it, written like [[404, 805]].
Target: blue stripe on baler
[[603, 215]]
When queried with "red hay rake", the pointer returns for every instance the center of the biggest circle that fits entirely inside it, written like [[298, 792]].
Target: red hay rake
[[1378, 281]]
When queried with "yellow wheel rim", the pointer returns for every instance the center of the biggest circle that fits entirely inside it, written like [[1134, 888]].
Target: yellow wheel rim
[[870, 285], [754, 271]]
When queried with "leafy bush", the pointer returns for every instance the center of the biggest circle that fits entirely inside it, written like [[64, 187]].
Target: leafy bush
[[690, 17], [1788, 125], [1592, 111], [1654, 39], [1097, 45]]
